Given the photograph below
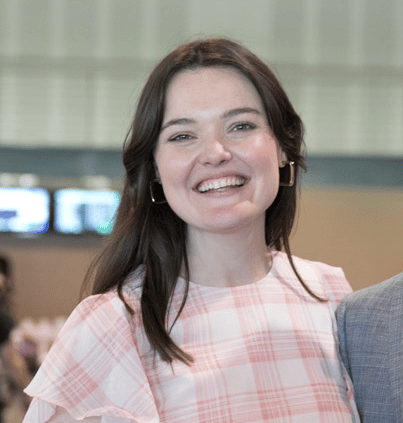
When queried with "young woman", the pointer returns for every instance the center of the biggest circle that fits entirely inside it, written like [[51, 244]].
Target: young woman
[[196, 314]]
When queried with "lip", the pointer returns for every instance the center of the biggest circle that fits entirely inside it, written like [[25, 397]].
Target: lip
[[238, 178]]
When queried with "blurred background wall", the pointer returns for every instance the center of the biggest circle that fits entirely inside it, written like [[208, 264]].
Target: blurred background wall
[[70, 76]]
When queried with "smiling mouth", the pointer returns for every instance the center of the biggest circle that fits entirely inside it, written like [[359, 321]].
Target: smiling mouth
[[220, 184]]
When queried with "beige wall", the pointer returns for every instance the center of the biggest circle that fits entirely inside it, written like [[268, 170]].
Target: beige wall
[[48, 278], [359, 230]]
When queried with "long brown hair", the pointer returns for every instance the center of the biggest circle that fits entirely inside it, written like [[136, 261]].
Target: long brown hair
[[153, 235]]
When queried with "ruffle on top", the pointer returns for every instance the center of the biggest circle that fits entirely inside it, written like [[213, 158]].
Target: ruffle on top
[[96, 374]]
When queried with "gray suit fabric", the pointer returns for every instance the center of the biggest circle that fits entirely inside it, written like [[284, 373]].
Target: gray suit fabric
[[370, 325]]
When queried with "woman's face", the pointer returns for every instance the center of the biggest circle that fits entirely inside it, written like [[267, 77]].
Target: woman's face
[[216, 156]]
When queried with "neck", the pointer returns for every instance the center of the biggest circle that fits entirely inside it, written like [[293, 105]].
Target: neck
[[228, 259]]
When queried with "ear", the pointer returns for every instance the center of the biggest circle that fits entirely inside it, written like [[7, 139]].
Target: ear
[[281, 157], [157, 173]]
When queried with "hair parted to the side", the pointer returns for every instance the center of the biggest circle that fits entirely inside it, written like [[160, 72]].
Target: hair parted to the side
[[153, 235]]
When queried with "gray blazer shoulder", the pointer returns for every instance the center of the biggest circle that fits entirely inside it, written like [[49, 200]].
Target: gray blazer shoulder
[[376, 295], [370, 325]]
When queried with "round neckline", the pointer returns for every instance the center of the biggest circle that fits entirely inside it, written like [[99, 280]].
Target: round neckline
[[236, 287]]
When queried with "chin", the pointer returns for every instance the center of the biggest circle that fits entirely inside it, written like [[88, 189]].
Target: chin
[[225, 222]]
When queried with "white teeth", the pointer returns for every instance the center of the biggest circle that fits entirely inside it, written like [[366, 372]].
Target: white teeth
[[221, 183]]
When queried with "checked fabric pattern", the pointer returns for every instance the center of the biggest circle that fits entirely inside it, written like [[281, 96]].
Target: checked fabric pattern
[[264, 352]]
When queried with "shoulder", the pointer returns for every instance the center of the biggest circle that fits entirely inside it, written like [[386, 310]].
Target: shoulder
[[107, 307], [379, 297], [101, 311], [371, 347], [97, 321], [99, 316], [94, 357], [325, 280]]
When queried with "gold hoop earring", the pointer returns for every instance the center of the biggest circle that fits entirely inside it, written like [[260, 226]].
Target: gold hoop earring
[[156, 192], [291, 176]]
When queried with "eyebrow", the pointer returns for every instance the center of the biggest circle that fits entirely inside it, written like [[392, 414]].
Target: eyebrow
[[181, 121], [229, 113], [241, 110]]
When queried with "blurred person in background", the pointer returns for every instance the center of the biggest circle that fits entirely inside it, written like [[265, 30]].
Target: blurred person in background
[[199, 311], [370, 324], [14, 373]]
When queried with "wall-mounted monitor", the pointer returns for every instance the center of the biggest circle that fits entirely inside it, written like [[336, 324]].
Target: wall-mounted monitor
[[80, 211], [24, 210]]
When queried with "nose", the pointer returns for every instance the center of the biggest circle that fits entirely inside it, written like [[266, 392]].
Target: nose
[[214, 151]]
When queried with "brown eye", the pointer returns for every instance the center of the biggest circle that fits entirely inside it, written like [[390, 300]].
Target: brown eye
[[244, 126], [180, 137]]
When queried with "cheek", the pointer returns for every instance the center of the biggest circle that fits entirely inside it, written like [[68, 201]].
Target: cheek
[[164, 163], [266, 170], [173, 165], [264, 159], [173, 174]]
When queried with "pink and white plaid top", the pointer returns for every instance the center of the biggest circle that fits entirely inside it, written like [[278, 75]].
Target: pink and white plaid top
[[264, 352]]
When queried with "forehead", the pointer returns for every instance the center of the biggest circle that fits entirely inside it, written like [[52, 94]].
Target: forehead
[[216, 83]]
